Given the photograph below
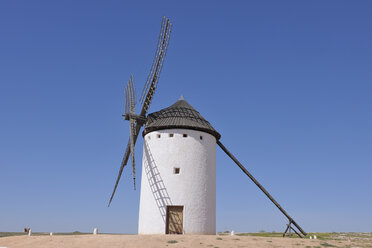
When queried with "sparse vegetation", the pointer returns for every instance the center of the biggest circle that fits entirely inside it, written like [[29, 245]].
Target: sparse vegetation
[[172, 241], [320, 236], [327, 245], [325, 237], [325, 240], [261, 234], [73, 233], [8, 234]]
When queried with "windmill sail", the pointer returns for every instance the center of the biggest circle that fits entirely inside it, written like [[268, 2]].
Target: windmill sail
[[157, 64], [132, 100], [147, 95]]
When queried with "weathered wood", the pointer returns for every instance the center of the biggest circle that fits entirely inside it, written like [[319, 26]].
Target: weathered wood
[[174, 223], [148, 92], [260, 186]]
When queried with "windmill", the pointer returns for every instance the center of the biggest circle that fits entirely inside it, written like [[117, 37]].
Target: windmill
[[178, 183]]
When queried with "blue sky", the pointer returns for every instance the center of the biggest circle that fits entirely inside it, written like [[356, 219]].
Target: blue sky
[[288, 84]]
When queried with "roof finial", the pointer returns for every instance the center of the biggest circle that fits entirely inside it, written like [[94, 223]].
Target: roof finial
[[181, 98]]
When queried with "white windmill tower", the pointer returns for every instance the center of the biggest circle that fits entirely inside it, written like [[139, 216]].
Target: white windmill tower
[[178, 187]]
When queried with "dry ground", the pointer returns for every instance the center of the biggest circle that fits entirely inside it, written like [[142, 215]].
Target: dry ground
[[169, 241]]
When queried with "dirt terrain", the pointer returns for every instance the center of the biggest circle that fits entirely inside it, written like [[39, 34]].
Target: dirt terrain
[[214, 241]]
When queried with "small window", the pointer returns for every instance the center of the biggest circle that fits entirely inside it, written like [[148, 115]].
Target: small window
[[158, 136], [201, 137], [149, 137], [176, 170], [185, 135], [171, 135]]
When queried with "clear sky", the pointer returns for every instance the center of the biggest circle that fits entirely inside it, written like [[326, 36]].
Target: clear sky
[[288, 84]]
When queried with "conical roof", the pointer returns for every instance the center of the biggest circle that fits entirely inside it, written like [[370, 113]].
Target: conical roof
[[180, 115]]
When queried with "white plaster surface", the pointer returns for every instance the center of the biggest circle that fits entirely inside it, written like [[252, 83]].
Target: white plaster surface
[[194, 188]]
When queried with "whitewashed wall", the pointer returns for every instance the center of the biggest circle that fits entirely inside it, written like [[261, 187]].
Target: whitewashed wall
[[194, 188]]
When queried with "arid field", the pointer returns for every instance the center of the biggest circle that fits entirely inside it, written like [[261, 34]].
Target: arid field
[[122, 241]]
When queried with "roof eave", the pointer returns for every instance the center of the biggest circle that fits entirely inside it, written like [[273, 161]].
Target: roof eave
[[152, 129]]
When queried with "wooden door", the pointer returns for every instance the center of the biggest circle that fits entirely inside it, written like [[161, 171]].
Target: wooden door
[[174, 220]]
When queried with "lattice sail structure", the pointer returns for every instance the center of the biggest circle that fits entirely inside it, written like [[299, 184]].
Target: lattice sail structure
[[130, 101], [130, 96], [137, 121], [157, 64]]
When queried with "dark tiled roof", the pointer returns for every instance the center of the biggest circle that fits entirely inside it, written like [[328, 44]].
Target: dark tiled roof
[[180, 115]]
